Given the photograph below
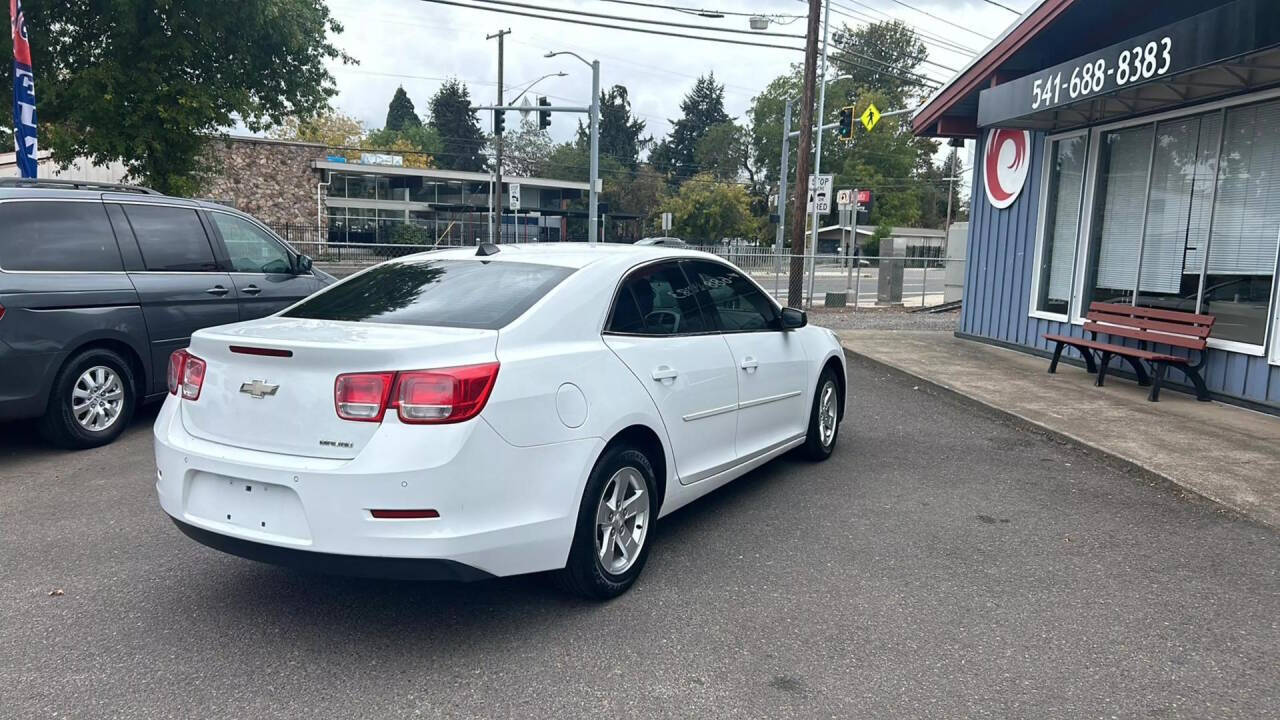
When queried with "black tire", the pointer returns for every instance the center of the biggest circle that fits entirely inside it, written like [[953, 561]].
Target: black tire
[[814, 447], [59, 425], [585, 574]]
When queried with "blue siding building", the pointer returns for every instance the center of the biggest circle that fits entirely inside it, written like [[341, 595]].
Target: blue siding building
[[1127, 155]]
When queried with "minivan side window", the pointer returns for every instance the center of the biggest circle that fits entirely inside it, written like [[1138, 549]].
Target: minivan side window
[[57, 237], [171, 238], [251, 249], [658, 300], [739, 305]]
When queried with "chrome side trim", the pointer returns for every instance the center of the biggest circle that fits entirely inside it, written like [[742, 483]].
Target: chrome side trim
[[709, 413], [765, 400], [760, 457]]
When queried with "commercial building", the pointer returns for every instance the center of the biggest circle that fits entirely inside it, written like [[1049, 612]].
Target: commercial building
[[1126, 152], [354, 196]]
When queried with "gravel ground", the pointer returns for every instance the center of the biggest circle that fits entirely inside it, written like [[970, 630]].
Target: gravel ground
[[884, 319]]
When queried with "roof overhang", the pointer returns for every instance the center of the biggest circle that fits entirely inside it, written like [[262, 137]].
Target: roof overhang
[[435, 174], [1223, 51]]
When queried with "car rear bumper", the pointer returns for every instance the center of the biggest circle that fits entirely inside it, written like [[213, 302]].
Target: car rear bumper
[[503, 509]]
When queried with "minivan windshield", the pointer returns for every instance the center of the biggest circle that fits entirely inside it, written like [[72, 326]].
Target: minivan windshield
[[449, 293]]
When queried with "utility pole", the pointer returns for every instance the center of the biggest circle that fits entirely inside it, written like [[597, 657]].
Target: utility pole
[[782, 197], [795, 281], [496, 195], [593, 194], [817, 152]]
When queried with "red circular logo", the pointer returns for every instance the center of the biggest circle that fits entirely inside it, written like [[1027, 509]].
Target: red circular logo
[[1004, 165]]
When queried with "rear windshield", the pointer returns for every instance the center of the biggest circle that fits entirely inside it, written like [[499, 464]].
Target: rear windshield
[[450, 293]]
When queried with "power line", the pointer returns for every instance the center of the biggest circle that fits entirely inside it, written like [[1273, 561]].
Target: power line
[[941, 42], [726, 41], [665, 23], [942, 19], [1003, 7], [705, 11]]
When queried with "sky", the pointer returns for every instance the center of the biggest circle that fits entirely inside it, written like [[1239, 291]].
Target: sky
[[419, 44]]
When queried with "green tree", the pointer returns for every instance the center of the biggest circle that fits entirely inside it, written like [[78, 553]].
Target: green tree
[[702, 108], [330, 128], [705, 211], [724, 152], [148, 82], [621, 133], [462, 140], [422, 142], [884, 57], [400, 113]]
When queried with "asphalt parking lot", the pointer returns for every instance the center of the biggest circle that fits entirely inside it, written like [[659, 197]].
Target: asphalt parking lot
[[941, 564]]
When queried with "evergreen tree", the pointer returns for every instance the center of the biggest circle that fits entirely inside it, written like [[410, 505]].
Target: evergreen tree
[[620, 132], [461, 139], [703, 109], [400, 112]]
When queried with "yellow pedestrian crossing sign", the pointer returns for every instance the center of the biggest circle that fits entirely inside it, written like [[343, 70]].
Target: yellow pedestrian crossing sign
[[870, 117]]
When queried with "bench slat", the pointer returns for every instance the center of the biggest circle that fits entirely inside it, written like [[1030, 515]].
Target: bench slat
[[1181, 341], [1198, 331], [1152, 313], [1118, 349]]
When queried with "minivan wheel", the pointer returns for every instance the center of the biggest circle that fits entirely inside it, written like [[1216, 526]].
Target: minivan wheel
[[92, 400], [611, 541]]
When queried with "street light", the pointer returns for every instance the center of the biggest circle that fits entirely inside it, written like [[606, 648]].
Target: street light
[[592, 195], [529, 87]]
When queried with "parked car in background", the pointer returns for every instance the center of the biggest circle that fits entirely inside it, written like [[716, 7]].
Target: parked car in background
[[99, 284], [663, 241], [509, 409]]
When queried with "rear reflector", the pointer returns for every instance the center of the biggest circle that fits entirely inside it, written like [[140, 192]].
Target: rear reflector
[[404, 514], [266, 352]]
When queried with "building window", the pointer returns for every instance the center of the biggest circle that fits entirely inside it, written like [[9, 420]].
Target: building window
[[1056, 254], [1185, 216]]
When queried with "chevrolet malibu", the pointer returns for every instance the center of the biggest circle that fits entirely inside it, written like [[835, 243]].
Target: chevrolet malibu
[[490, 411]]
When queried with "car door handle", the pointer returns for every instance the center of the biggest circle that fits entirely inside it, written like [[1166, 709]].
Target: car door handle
[[663, 373], [217, 290], [749, 364], [251, 290]]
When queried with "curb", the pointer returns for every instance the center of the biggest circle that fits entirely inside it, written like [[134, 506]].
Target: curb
[[1121, 462]]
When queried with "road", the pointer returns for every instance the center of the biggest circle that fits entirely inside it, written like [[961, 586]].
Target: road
[[941, 564]]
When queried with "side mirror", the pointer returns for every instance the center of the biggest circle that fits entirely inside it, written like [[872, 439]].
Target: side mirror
[[793, 318], [304, 264]]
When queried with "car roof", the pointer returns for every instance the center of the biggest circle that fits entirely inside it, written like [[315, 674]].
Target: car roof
[[567, 254]]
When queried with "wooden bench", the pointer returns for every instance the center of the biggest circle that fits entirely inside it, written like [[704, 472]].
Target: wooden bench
[[1149, 326]]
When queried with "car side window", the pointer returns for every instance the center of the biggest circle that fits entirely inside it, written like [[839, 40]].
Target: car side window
[[171, 238], [658, 300], [738, 303], [57, 237], [251, 249]]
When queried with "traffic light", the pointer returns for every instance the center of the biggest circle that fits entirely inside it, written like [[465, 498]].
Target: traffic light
[[499, 122], [544, 116], [846, 122]]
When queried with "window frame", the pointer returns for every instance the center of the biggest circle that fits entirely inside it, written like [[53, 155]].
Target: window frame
[[621, 284], [1270, 346], [271, 236], [1042, 222], [776, 307]]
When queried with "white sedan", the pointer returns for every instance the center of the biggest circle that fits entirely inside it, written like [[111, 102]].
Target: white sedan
[[471, 413]]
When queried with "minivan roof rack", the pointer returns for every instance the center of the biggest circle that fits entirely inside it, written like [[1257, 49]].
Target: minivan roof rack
[[61, 184]]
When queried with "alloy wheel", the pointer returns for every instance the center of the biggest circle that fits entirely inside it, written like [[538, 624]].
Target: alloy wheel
[[828, 414], [97, 399], [622, 520]]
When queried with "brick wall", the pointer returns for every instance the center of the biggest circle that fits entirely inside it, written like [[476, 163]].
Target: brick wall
[[269, 179]]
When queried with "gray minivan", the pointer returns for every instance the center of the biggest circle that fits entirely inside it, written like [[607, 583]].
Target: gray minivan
[[100, 283]]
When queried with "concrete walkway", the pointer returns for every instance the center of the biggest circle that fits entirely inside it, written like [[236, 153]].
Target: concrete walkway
[[1225, 453]]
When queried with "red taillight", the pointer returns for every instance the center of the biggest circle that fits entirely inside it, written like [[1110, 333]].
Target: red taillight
[[264, 352], [362, 396], [446, 395], [186, 373]]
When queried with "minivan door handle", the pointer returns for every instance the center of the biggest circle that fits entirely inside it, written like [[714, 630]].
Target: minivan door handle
[[217, 290], [251, 290]]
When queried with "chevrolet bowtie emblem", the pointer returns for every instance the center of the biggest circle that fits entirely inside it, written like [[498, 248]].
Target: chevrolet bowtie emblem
[[258, 389]]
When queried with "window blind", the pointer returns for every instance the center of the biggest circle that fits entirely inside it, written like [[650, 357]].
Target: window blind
[[1124, 187], [1173, 184], [1070, 157], [1246, 220]]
